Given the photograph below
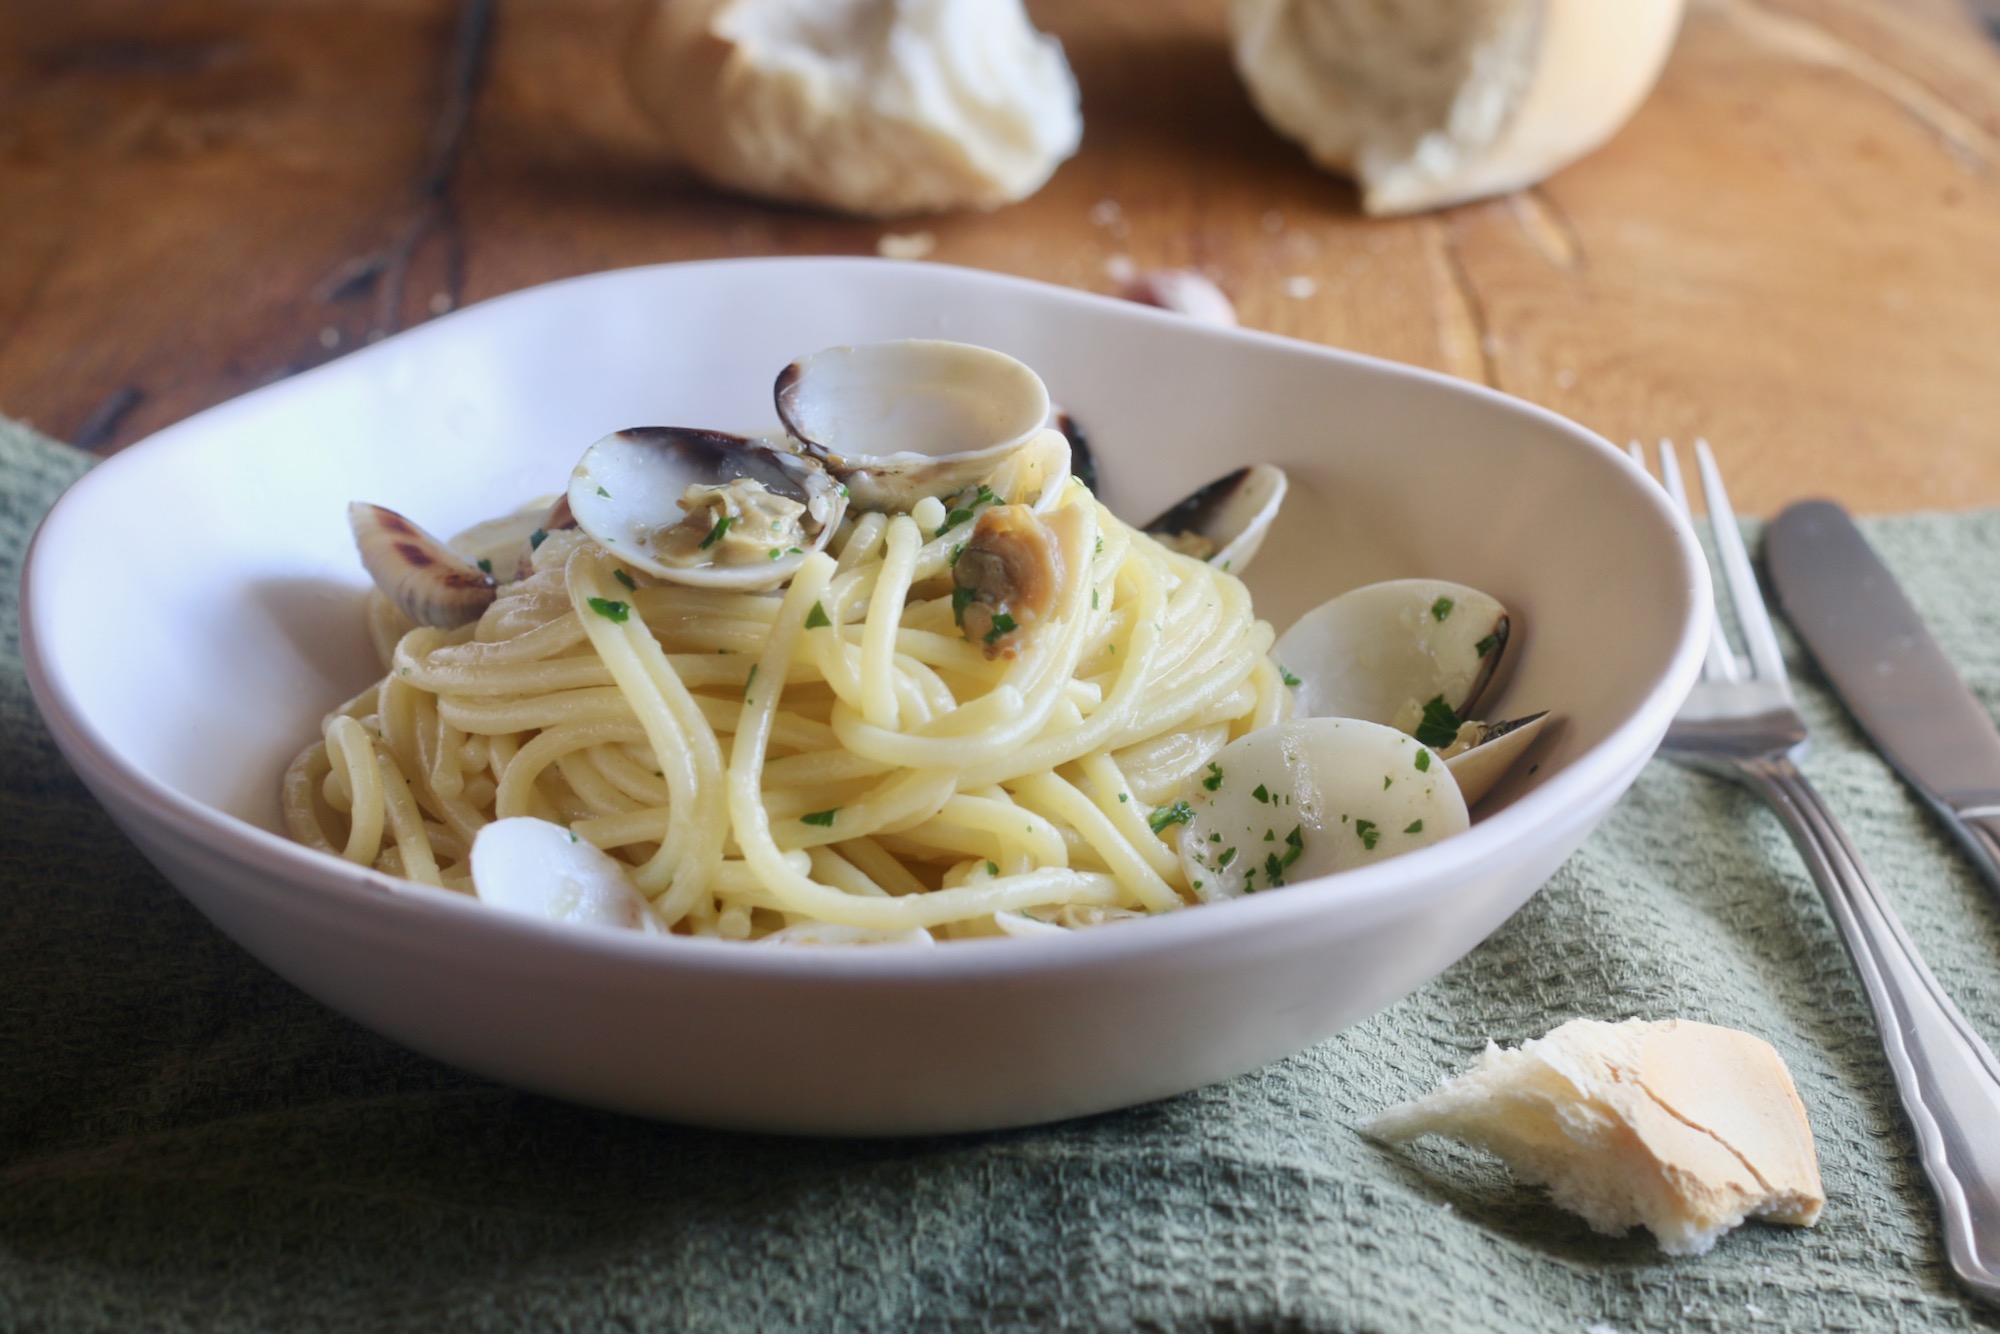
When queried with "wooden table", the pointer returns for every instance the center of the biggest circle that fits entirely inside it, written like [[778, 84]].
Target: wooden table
[[1791, 249]]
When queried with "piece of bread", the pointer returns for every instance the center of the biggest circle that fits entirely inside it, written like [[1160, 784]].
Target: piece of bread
[[1685, 1128], [1433, 102], [877, 107]]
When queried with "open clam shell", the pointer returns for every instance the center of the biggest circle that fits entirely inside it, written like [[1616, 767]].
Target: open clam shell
[[1376, 651], [1225, 521], [900, 421], [627, 493]]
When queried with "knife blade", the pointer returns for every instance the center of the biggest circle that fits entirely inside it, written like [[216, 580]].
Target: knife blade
[[1888, 670]]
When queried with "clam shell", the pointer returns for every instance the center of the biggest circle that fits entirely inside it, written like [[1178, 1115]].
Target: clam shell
[[428, 581], [1373, 651], [627, 488], [1234, 512], [903, 420], [1499, 748]]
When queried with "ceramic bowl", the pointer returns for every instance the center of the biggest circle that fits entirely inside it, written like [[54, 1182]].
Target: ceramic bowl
[[193, 605]]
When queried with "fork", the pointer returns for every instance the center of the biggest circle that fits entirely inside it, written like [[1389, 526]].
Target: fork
[[1740, 723]]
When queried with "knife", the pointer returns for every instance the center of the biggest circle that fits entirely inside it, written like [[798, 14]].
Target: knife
[[1888, 670]]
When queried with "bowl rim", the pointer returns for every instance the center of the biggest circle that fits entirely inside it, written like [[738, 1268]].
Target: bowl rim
[[1387, 888]]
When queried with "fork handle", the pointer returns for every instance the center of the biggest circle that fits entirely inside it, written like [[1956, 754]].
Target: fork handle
[[1948, 1078]]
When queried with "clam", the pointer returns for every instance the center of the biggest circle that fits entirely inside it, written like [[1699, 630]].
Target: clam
[[1224, 522], [543, 870], [1384, 651], [704, 508], [1418, 655], [1309, 798], [900, 421], [428, 581]]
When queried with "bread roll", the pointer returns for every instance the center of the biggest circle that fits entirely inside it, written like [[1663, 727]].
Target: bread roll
[[1433, 102], [876, 107]]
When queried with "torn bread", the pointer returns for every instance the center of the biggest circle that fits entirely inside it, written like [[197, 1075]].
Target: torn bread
[[876, 107], [1685, 1128], [1433, 102]]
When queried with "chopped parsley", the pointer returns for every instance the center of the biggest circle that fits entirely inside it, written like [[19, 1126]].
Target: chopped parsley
[[1424, 761], [1124, 796], [1287, 677], [824, 819], [992, 868], [624, 579], [1093, 599], [1270, 836], [1386, 780], [1178, 813], [1370, 835], [485, 565], [1214, 779], [984, 496], [602, 492], [1262, 793], [961, 598], [956, 552], [1441, 608], [777, 553], [611, 611], [716, 533], [1414, 827], [1100, 547], [536, 538], [1440, 724], [749, 681], [1274, 870], [1228, 856], [1002, 624], [1487, 645], [817, 617]]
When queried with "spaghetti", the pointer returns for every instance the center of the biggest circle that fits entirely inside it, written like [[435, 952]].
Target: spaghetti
[[834, 755]]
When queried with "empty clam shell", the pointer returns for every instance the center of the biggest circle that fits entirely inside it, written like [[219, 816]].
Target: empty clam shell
[[428, 581], [902, 420], [1225, 521], [771, 507]]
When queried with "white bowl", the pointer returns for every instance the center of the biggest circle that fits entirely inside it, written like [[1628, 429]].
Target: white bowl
[[192, 606]]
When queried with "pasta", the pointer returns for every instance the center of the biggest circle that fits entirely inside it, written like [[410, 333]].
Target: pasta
[[840, 757]]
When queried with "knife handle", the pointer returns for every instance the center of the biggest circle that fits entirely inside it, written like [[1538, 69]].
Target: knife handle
[[1946, 1075]]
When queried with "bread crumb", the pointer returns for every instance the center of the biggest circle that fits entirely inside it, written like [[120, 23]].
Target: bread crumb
[[1685, 1128], [905, 245]]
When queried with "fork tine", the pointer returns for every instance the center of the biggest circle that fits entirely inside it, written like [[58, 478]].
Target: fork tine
[[1737, 572], [1722, 664]]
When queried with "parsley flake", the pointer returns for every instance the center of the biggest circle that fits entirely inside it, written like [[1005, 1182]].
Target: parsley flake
[[1262, 793], [602, 492], [1441, 608], [961, 598], [1287, 677], [1178, 813], [1370, 835], [536, 538], [485, 565], [617, 612], [1214, 779], [624, 579], [817, 617], [1002, 624], [1423, 761], [824, 819], [1414, 827], [1440, 724], [716, 533], [992, 868], [749, 681], [1386, 780], [1228, 856], [1487, 645]]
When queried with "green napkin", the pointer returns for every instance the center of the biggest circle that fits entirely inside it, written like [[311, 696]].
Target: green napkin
[[188, 1143]]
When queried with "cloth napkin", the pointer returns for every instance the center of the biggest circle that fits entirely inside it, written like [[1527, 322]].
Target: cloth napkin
[[186, 1143]]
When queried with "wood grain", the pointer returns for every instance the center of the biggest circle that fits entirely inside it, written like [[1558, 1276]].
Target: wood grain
[[1791, 249]]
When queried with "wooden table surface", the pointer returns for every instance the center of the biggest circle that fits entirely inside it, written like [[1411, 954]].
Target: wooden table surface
[[1793, 249]]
